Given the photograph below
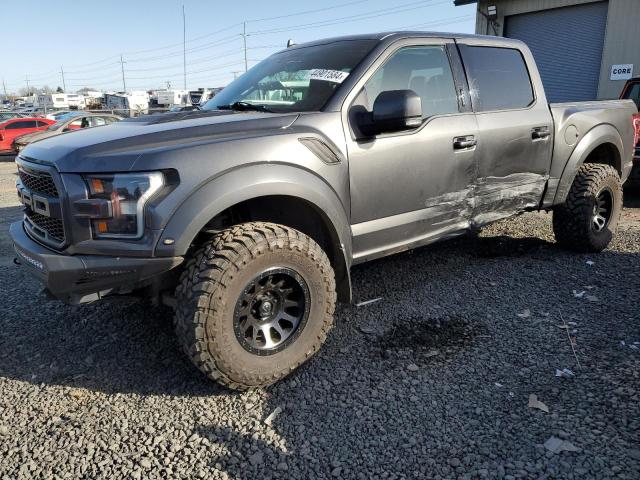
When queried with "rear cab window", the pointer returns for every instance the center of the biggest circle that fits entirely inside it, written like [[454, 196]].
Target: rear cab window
[[632, 92], [498, 78]]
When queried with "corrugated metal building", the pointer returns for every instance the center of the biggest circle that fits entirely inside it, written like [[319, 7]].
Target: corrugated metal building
[[584, 48]]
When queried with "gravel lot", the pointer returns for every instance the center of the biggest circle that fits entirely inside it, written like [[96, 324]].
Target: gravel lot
[[431, 381]]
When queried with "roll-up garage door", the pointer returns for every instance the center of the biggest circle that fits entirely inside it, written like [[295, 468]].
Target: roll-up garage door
[[567, 45]]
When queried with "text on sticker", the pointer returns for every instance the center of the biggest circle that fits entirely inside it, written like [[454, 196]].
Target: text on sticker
[[335, 76]]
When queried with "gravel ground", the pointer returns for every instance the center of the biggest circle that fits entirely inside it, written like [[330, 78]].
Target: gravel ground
[[431, 381]]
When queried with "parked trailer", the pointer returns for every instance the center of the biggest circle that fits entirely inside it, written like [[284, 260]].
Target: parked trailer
[[172, 97], [135, 102]]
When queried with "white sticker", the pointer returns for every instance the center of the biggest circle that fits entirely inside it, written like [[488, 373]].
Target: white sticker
[[335, 76], [621, 72]]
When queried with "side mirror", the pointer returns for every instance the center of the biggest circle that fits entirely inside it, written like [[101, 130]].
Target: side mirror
[[396, 110]]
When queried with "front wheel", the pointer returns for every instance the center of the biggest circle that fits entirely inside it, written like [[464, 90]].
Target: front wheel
[[254, 303], [588, 219]]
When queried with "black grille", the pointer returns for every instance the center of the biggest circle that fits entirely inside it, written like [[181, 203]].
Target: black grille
[[40, 182], [52, 226]]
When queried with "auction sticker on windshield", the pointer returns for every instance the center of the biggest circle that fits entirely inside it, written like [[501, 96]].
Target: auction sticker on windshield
[[335, 76]]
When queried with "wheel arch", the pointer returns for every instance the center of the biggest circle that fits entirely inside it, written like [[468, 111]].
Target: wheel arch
[[276, 193], [601, 144]]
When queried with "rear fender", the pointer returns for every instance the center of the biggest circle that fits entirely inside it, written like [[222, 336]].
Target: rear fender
[[600, 135]]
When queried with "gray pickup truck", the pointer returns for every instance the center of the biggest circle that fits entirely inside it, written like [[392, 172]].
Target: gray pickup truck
[[247, 215]]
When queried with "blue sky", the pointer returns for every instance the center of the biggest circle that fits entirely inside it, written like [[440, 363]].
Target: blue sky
[[86, 38]]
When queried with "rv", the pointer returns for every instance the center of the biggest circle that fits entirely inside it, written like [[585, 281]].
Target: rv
[[169, 98], [135, 102]]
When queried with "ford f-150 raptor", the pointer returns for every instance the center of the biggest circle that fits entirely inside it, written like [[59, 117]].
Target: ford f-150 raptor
[[247, 215]]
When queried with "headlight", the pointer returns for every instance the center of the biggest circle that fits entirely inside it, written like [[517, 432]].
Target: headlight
[[125, 195]]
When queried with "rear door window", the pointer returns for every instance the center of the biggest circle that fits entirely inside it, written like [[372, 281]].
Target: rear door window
[[498, 78]]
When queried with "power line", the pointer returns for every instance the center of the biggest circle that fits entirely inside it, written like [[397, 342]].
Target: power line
[[197, 61], [100, 65], [324, 9], [190, 72], [361, 16], [164, 47]]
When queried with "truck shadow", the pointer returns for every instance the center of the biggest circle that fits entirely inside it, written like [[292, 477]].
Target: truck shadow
[[632, 196], [441, 309]]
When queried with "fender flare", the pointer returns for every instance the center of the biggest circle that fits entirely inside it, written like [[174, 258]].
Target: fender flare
[[234, 186], [599, 135]]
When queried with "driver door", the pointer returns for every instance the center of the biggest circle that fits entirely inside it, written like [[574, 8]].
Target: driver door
[[412, 187]]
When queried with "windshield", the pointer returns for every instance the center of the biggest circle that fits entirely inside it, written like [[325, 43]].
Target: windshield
[[296, 80]]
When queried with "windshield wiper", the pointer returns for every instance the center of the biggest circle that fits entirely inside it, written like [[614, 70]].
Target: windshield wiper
[[244, 106]]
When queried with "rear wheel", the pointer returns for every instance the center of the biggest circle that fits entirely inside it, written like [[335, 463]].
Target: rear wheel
[[588, 219], [254, 303]]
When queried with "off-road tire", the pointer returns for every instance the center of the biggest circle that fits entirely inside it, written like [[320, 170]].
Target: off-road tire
[[572, 221], [214, 277]]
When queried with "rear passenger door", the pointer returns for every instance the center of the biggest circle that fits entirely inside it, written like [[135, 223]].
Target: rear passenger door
[[515, 129]]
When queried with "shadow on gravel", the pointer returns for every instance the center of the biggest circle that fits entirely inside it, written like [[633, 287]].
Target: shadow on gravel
[[503, 246], [118, 346], [123, 345], [348, 410], [243, 451], [425, 336], [632, 196]]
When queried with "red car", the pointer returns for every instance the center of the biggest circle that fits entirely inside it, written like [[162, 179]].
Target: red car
[[15, 127]]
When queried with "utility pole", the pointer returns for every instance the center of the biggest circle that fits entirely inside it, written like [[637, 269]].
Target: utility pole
[[124, 84], [64, 86], [26, 77], [244, 38], [184, 48], [4, 87], [235, 74]]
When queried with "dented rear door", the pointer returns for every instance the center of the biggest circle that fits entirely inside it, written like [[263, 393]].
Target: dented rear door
[[515, 129]]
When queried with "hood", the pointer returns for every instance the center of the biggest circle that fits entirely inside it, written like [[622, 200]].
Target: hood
[[116, 147]]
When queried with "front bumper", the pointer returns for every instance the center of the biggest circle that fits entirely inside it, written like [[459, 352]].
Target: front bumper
[[85, 278]]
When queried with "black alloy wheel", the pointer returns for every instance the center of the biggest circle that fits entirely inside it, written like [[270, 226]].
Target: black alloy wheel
[[271, 311]]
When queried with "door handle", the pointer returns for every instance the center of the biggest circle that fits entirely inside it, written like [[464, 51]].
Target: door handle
[[463, 143], [539, 133]]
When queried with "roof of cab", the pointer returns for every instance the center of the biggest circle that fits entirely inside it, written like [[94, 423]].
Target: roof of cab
[[396, 35]]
